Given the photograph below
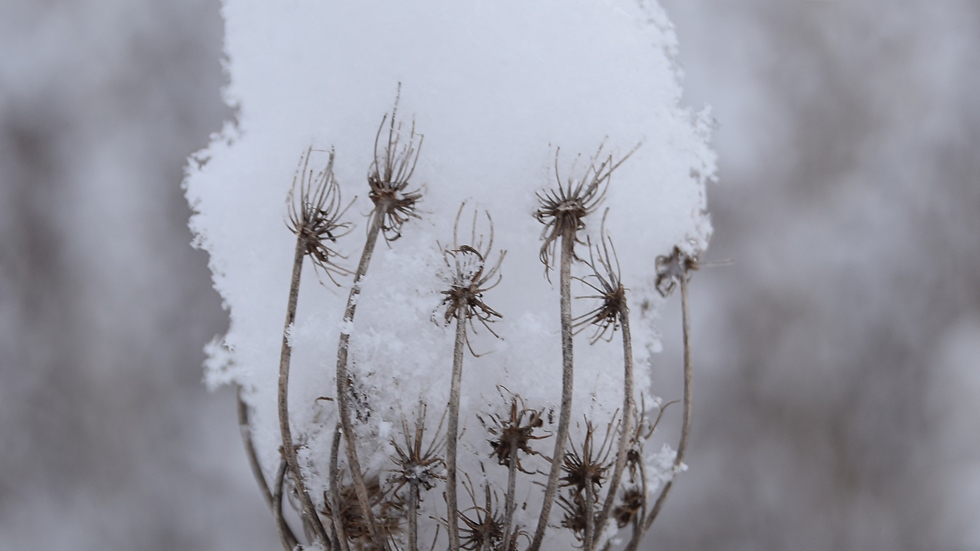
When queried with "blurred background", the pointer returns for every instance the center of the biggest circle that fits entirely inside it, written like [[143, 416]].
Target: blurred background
[[838, 357]]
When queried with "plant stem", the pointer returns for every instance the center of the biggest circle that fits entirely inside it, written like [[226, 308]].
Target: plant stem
[[589, 543], [339, 533], [567, 369], [343, 379], [452, 435], [413, 516], [289, 450], [627, 423], [253, 462], [286, 535], [686, 423], [510, 502]]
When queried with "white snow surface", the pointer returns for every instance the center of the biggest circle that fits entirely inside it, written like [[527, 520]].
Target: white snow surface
[[496, 87]]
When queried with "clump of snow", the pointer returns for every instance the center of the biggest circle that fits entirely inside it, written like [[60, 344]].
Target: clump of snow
[[506, 93]]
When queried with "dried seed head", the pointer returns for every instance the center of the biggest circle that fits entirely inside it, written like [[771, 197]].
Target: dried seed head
[[388, 513], [630, 504], [587, 465], [418, 465], [563, 208], [468, 276], [483, 526], [514, 434], [574, 511], [605, 281], [315, 212], [673, 267], [393, 166]]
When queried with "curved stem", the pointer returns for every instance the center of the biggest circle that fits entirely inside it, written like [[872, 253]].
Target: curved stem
[[286, 535], [344, 382], [686, 424], [289, 450], [627, 423], [253, 462], [567, 371], [340, 535], [452, 435]]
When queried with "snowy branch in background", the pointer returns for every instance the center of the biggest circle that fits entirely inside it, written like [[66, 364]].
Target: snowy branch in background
[[451, 411]]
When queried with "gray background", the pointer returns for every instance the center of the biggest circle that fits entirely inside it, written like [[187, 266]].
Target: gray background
[[838, 384]]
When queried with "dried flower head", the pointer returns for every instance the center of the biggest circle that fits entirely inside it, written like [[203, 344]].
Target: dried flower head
[[418, 464], [468, 276], [514, 433], [631, 503], [587, 466], [605, 280], [393, 165], [388, 513], [673, 267], [574, 510], [563, 208], [315, 212], [483, 527]]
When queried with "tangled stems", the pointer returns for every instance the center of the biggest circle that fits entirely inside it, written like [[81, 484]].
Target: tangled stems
[[286, 534]]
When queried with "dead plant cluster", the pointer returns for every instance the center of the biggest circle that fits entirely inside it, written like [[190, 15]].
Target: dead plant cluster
[[597, 481]]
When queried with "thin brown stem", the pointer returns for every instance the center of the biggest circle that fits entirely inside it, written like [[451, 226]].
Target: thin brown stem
[[286, 535], [627, 423], [452, 435], [253, 462], [339, 534], [413, 517], [510, 502], [589, 542], [567, 369], [289, 450], [343, 378], [686, 423]]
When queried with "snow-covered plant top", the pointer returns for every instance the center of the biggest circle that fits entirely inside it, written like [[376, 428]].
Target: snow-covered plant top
[[419, 188]]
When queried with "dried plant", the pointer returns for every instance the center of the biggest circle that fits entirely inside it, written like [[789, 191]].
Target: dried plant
[[512, 436], [314, 215], [315, 220], [483, 529], [350, 515], [585, 469], [468, 277], [418, 466], [562, 211], [390, 172], [388, 179], [363, 510]]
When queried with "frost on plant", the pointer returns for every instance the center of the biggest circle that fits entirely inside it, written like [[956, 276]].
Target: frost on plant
[[431, 389]]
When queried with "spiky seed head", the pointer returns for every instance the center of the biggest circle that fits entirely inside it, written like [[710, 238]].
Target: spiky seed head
[[388, 176], [315, 212]]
